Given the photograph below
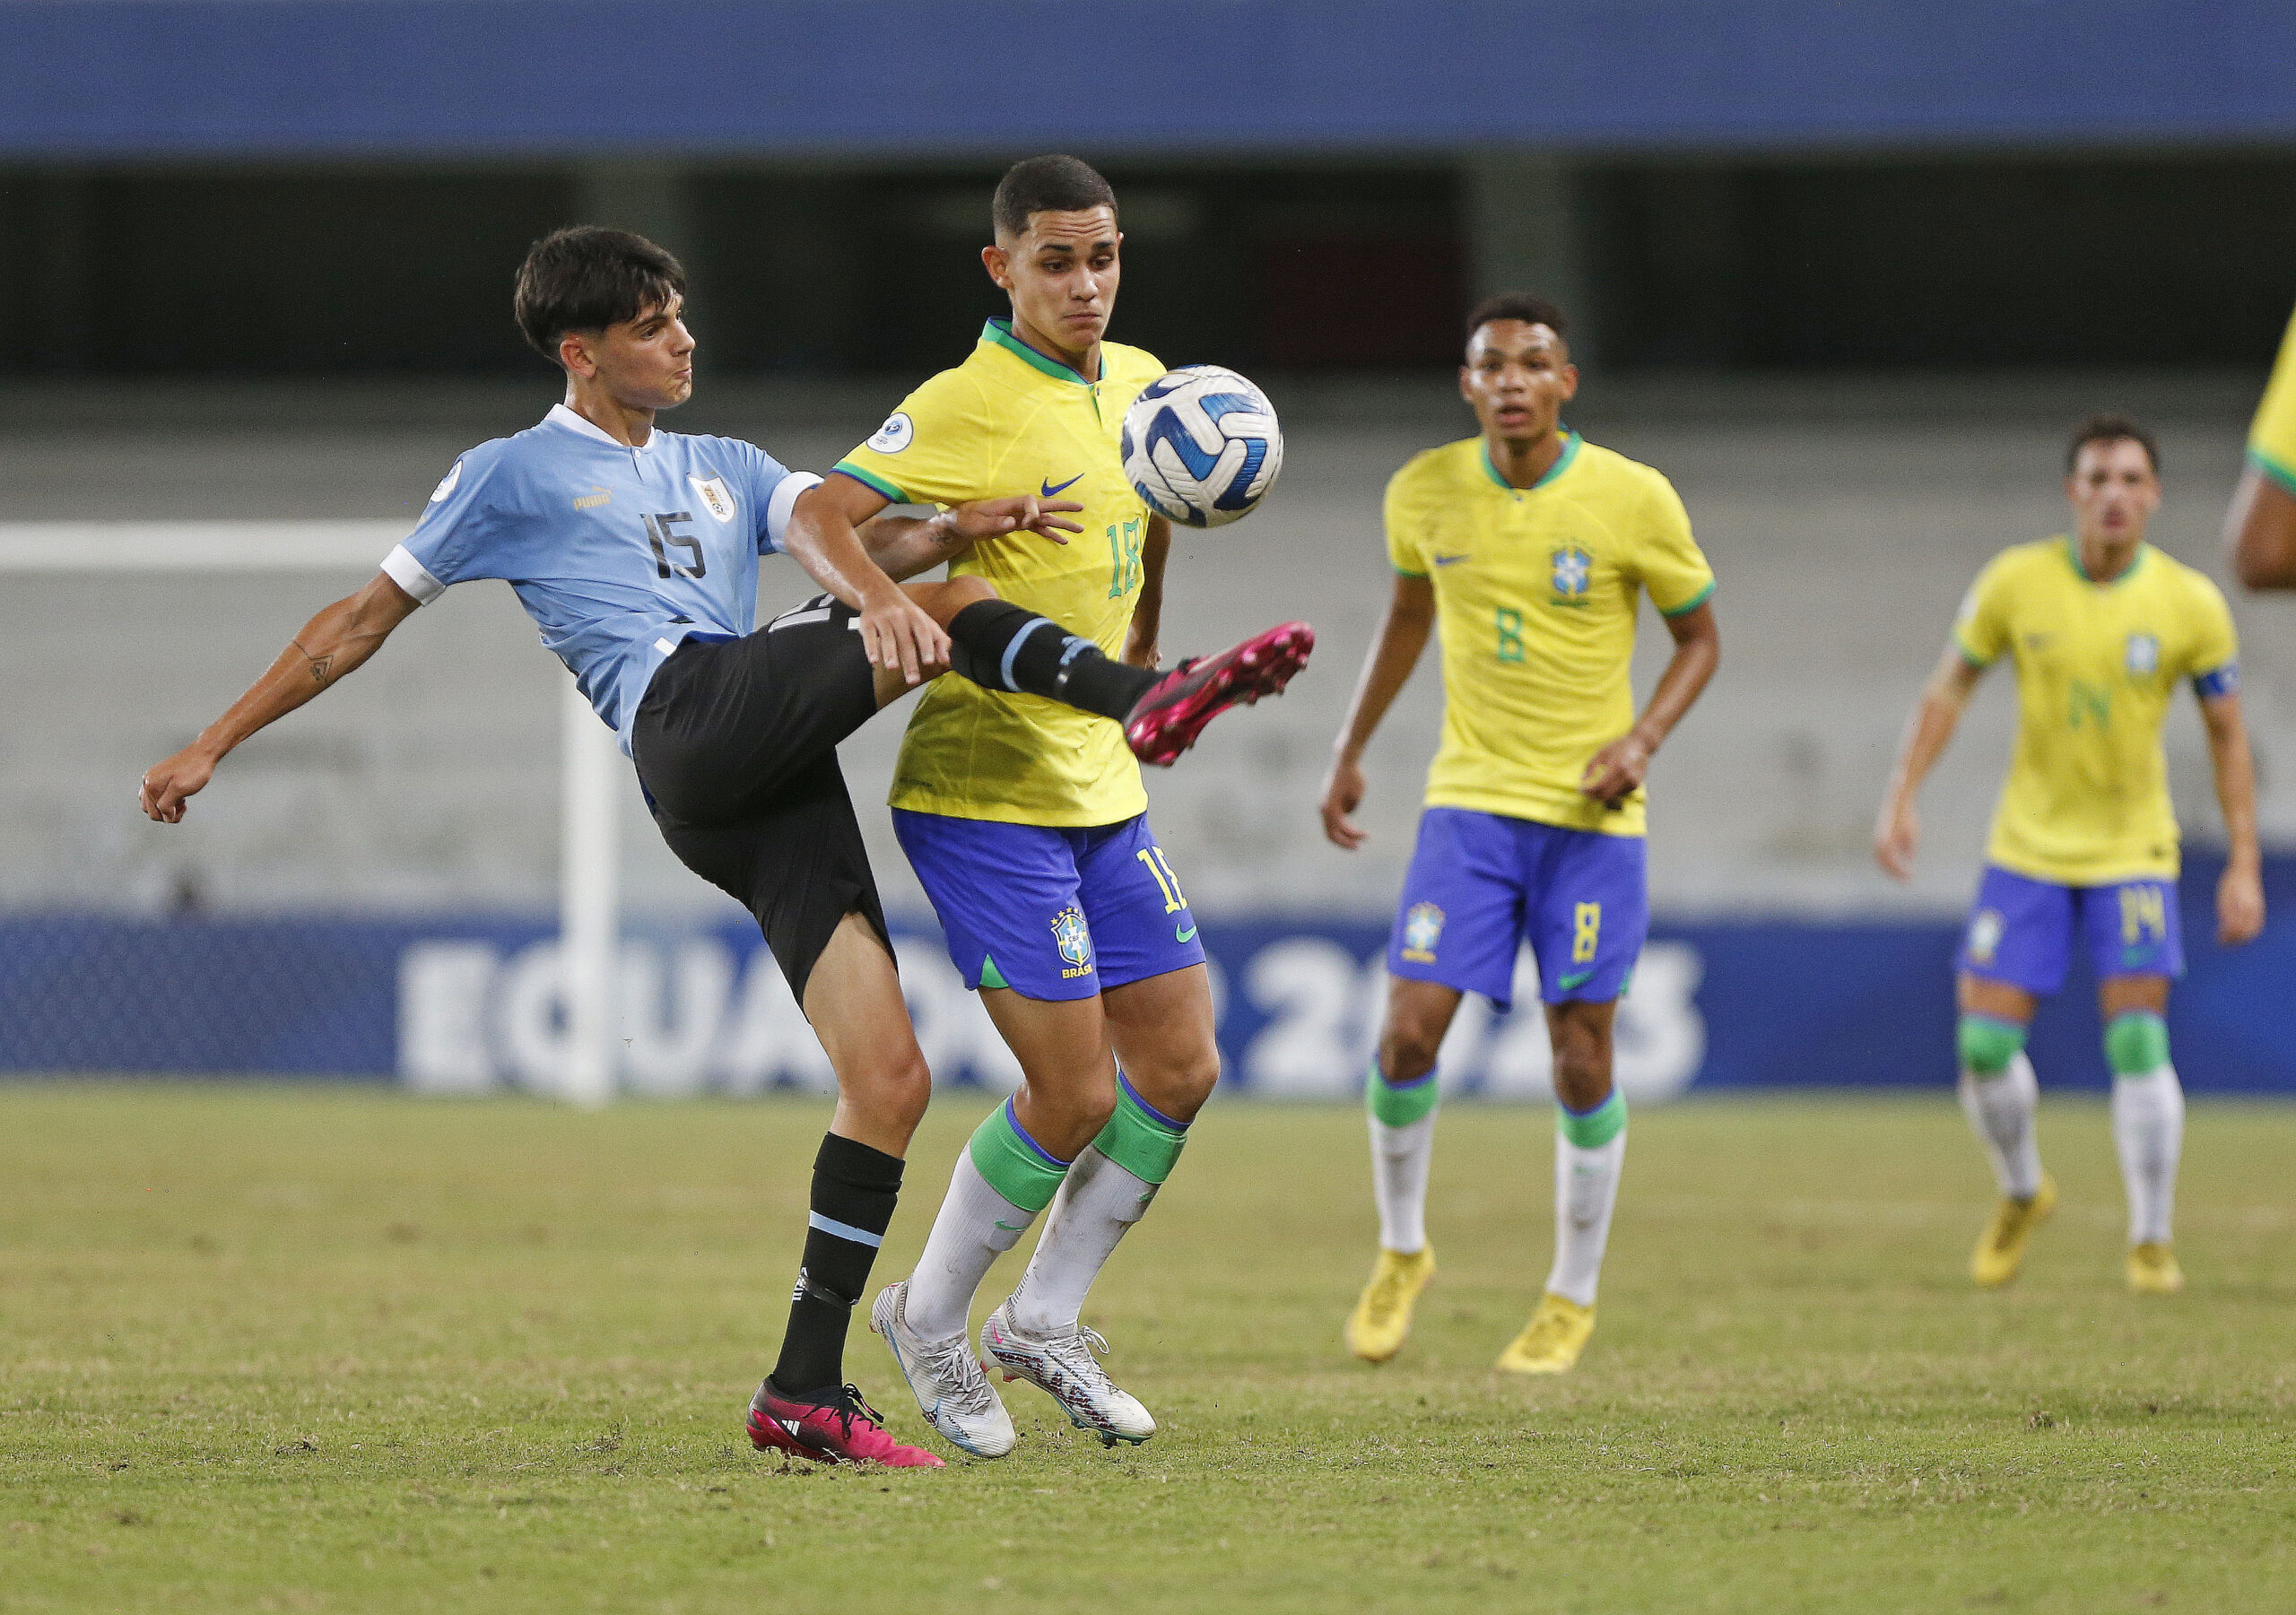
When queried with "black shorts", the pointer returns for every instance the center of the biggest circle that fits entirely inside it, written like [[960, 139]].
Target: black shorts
[[736, 742]]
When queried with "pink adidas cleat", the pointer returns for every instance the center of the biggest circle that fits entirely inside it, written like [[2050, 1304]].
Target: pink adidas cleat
[[1165, 722], [848, 1431]]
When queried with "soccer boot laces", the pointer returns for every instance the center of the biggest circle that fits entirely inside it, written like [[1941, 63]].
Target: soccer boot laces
[[952, 1392], [1164, 721], [1382, 1315], [1552, 1340], [1064, 1367], [2152, 1269], [844, 1430], [2001, 1249]]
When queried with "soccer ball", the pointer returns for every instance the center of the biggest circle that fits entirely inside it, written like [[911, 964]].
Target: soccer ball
[[1201, 446]]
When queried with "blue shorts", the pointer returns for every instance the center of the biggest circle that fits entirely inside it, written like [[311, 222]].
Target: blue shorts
[[1482, 883], [1051, 913], [2020, 929]]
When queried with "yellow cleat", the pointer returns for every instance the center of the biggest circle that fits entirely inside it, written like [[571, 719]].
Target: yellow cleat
[[1382, 1314], [2001, 1248], [1552, 1340], [2153, 1270]]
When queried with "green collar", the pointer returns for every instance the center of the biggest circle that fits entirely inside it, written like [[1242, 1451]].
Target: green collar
[[2073, 555], [999, 332], [1571, 441]]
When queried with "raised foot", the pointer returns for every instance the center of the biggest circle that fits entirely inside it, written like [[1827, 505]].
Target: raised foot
[[1382, 1316], [1166, 721], [2001, 1248], [1065, 1367]]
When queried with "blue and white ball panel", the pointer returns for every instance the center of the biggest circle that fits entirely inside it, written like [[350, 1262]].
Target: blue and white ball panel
[[1202, 446], [1482, 883], [2023, 930], [1062, 914]]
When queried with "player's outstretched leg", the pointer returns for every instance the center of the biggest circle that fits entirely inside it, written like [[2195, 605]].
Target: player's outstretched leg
[[1400, 1098], [2148, 1135], [1590, 1154], [2002, 1098]]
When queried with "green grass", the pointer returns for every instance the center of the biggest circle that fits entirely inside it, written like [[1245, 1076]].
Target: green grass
[[301, 1348]]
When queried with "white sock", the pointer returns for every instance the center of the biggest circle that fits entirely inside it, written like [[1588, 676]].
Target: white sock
[[976, 1225], [2002, 1109], [1586, 1193], [1399, 1159], [2149, 1133], [1098, 1203]]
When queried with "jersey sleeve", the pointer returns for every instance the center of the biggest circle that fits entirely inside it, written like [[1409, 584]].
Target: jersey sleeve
[[930, 451], [1407, 512], [2215, 660], [1981, 631], [458, 529], [771, 490], [2271, 439], [1672, 567]]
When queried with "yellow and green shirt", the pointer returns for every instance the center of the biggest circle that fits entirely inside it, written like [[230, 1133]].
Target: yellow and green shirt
[[2272, 440], [1009, 421], [2087, 803], [1535, 594]]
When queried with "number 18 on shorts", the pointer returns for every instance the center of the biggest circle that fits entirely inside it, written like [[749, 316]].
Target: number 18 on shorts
[[1481, 883]]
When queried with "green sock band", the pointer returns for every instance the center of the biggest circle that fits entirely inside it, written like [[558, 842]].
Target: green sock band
[[1399, 1104], [1987, 1044], [1591, 1130], [2137, 1043], [1015, 1166], [1139, 1139]]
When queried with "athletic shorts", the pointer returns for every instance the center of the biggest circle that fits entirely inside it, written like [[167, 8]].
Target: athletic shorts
[[2022, 930], [1052, 913], [1480, 884], [736, 742]]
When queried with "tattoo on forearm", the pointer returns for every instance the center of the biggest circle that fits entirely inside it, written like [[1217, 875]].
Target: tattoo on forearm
[[320, 665]]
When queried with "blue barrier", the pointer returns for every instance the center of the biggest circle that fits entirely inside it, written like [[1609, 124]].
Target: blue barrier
[[143, 78], [468, 1005]]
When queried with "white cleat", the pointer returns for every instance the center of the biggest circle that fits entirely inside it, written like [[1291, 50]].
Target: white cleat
[[1063, 1367], [952, 1392]]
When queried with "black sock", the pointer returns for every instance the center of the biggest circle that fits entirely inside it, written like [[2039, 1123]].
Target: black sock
[[1000, 645], [855, 1188]]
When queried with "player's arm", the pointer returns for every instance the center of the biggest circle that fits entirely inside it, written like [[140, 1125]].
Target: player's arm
[[332, 644], [1403, 634], [903, 546], [822, 534], [2239, 894], [1148, 608], [2260, 531], [1619, 766], [1896, 832]]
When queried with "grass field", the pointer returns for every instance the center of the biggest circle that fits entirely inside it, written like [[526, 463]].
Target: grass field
[[310, 1349]]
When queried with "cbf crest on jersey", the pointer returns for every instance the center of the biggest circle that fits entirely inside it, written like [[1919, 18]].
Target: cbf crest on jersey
[[2143, 654], [1574, 569], [1423, 928], [715, 497], [1074, 938]]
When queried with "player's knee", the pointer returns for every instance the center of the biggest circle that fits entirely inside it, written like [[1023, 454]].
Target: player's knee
[[2137, 1043], [892, 1087], [1582, 1071], [1408, 1044], [1179, 1085], [970, 590], [1986, 1043]]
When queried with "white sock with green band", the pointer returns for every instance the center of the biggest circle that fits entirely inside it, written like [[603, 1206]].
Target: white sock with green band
[[2148, 1122], [1402, 1117], [1106, 1191], [1590, 1152], [1003, 1179]]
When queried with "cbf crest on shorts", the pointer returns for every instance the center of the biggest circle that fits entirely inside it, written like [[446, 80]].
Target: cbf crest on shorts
[[1423, 928], [1985, 936], [1074, 939]]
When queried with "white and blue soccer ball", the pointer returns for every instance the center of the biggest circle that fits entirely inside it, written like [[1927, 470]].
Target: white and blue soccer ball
[[1202, 446]]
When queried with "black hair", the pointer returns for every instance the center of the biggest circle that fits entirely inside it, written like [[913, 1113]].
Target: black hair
[[585, 278], [1518, 305], [2111, 429], [1040, 185]]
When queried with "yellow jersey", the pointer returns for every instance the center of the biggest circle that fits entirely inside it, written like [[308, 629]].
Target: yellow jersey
[[1009, 421], [1535, 594], [2272, 440], [2087, 803]]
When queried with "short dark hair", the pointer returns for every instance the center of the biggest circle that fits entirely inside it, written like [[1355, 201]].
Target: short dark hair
[[1042, 184], [1517, 305], [2111, 429], [585, 278]]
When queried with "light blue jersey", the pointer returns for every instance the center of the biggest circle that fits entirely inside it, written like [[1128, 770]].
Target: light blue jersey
[[617, 553]]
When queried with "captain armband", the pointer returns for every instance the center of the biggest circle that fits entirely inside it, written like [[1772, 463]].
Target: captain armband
[[2223, 680]]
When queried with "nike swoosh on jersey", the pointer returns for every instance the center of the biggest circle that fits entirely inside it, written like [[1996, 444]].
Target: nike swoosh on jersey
[[1448, 560], [1047, 489], [1578, 979], [1179, 935]]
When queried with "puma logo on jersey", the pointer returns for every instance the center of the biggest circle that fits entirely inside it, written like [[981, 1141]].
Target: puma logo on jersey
[[591, 501]]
